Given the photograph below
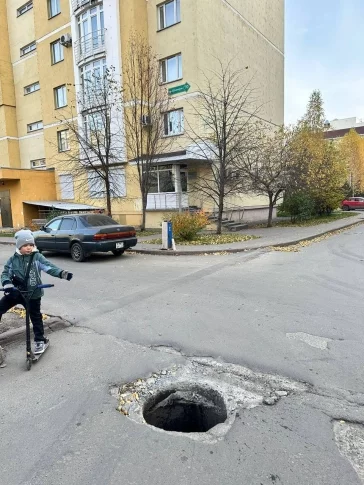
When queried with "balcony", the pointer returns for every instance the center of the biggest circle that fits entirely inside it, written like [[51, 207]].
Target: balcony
[[167, 200], [78, 4], [89, 45]]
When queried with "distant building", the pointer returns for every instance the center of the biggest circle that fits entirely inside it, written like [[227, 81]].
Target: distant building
[[340, 127]]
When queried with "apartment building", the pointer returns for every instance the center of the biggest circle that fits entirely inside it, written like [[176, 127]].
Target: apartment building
[[49, 46]]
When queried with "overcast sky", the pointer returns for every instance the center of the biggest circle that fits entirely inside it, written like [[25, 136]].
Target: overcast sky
[[325, 50]]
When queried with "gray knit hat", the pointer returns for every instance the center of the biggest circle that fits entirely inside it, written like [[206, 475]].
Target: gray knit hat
[[22, 237]]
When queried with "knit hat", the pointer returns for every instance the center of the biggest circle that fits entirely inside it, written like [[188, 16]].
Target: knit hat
[[22, 237]]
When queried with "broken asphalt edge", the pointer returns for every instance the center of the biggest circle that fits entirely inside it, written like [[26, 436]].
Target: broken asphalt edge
[[19, 333], [161, 252]]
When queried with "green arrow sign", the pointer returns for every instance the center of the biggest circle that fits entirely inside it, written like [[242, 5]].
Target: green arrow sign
[[183, 88]]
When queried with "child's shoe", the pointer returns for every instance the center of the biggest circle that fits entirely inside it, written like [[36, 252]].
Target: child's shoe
[[39, 347]]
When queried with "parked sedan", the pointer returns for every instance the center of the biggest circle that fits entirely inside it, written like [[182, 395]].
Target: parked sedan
[[83, 234], [352, 203]]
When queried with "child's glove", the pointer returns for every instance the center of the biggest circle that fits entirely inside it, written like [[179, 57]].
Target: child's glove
[[66, 275], [10, 290]]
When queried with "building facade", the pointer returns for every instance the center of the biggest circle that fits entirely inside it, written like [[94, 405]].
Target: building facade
[[49, 47]]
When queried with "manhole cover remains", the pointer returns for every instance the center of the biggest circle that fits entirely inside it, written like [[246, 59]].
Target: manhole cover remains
[[191, 409]]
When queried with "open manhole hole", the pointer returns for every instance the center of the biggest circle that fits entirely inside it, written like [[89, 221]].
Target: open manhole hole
[[186, 409]]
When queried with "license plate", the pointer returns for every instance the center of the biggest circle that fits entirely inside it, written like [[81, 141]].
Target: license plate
[[119, 245]]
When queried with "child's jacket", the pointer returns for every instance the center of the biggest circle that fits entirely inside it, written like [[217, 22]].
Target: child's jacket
[[16, 267]]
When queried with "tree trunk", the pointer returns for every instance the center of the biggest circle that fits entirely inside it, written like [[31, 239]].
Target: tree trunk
[[270, 211], [144, 212], [219, 215], [108, 197]]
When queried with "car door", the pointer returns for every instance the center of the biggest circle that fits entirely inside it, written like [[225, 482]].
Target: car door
[[65, 233], [46, 239]]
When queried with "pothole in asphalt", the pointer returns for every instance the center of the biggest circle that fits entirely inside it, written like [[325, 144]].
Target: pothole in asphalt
[[187, 409], [201, 398]]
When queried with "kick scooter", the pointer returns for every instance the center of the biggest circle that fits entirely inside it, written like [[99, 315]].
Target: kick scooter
[[31, 357]]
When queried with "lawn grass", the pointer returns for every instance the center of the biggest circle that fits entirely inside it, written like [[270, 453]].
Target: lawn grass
[[314, 221], [7, 234], [151, 232], [209, 239]]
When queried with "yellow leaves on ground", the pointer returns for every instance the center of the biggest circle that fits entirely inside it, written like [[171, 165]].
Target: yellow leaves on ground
[[21, 313], [209, 239], [294, 248]]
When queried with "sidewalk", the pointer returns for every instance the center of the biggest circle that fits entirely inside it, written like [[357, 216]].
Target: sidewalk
[[274, 236]]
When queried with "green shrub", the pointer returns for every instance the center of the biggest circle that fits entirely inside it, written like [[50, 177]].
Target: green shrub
[[299, 206], [186, 225]]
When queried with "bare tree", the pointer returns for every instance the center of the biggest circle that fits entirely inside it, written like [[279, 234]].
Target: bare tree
[[145, 101], [268, 168], [94, 147], [226, 106]]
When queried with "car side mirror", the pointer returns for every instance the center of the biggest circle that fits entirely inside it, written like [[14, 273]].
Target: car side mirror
[[44, 228]]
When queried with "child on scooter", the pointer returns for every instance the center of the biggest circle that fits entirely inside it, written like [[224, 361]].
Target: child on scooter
[[18, 275]]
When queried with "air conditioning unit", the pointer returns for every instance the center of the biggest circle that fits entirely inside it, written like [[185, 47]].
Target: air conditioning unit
[[145, 120], [66, 40]]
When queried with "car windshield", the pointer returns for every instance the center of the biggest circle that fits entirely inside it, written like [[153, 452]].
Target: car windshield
[[92, 220]]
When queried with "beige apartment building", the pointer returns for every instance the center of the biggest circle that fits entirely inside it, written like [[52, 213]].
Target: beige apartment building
[[47, 46]]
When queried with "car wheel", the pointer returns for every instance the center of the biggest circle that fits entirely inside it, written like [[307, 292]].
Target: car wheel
[[345, 207], [118, 252], [77, 252]]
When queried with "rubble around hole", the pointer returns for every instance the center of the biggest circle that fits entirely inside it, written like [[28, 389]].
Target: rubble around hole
[[240, 387]]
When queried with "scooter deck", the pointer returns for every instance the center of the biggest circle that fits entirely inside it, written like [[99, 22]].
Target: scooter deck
[[36, 357]]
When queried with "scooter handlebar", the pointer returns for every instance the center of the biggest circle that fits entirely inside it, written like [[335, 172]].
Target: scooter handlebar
[[39, 286]]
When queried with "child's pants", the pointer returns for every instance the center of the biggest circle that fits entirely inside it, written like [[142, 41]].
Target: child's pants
[[8, 302]]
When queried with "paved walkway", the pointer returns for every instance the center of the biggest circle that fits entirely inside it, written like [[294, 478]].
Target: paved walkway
[[274, 236]]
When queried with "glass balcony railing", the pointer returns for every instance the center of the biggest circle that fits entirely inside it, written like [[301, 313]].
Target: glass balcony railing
[[89, 45]]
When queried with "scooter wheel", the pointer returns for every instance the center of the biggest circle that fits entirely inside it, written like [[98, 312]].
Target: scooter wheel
[[29, 364]]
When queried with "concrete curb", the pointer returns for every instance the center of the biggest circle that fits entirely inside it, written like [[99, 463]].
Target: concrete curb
[[19, 333], [161, 252]]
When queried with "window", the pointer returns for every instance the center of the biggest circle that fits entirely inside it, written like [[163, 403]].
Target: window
[[162, 179], [31, 88], [39, 163], [27, 49], [171, 68], [169, 14], [67, 224], [60, 96], [24, 8], [91, 29], [54, 225], [173, 122], [57, 52], [66, 184], [63, 140], [93, 125], [53, 8], [37, 125], [96, 184], [92, 76]]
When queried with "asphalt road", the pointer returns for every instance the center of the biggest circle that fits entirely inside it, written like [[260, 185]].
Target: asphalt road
[[295, 314]]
